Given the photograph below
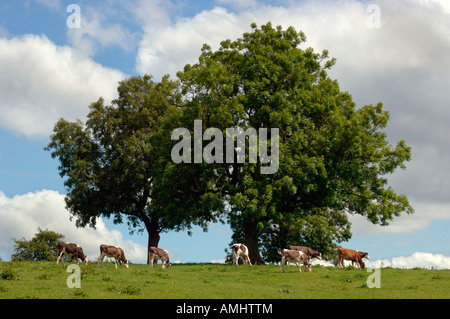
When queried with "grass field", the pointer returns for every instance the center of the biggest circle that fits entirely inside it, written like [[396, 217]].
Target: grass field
[[39, 280]]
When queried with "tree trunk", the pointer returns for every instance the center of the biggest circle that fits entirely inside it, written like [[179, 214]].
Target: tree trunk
[[153, 241], [153, 235], [251, 241]]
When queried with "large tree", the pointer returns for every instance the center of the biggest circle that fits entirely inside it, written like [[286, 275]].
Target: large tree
[[118, 165], [333, 156]]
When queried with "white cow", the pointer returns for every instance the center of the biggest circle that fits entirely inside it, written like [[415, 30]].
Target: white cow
[[240, 250]]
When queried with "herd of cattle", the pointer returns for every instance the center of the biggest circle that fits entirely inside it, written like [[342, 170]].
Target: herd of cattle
[[297, 254]]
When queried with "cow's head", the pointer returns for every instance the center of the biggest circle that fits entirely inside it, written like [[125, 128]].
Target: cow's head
[[85, 260], [319, 256], [126, 264], [362, 264], [365, 255]]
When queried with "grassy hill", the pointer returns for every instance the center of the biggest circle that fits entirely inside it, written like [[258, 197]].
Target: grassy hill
[[38, 280]]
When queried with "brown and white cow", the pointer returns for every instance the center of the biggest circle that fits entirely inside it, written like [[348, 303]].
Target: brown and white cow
[[350, 254], [240, 250], [155, 253], [295, 256], [307, 251], [71, 249], [112, 251]]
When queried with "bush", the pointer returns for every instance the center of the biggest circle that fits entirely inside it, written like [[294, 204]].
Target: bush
[[43, 246]]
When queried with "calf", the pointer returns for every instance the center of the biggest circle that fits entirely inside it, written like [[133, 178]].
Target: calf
[[295, 256], [112, 251], [159, 254], [349, 254], [240, 250], [311, 253], [71, 249]]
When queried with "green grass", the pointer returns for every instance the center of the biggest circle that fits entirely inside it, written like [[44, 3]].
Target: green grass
[[36, 280]]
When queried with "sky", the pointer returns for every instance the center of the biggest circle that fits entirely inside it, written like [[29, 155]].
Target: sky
[[57, 57]]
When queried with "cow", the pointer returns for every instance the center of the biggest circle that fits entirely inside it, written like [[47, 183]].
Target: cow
[[240, 250], [307, 251], [71, 249], [349, 254], [159, 254], [296, 256], [112, 251]]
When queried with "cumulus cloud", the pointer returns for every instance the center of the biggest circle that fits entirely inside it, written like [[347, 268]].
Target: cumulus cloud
[[41, 82], [98, 31], [417, 259], [21, 216], [425, 212]]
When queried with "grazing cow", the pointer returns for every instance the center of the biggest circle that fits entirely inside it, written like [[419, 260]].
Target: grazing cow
[[159, 254], [112, 251], [349, 254], [71, 249], [307, 251], [295, 256], [240, 250]]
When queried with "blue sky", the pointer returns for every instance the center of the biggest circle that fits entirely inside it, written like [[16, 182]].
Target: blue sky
[[397, 54]]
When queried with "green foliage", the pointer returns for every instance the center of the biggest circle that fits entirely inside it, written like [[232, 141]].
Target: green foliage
[[334, 157], [43, 246], [118, 165], [9, 274]]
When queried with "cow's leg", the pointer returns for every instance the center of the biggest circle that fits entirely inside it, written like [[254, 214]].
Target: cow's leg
[[340, 261], [235, 259], [359, 264], [115, 262], [102, 256], [299, 265], [247, 260], [59, 257], [152, 258]]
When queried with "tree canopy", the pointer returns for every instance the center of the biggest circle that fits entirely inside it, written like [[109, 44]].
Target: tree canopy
[[117, 164], [333, 157]]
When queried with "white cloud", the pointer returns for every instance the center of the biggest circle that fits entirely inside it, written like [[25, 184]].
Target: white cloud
[[97, 30], [41, 82], [418, 259], [425, 212], [218, 261], [23, 214], [166, 49]]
